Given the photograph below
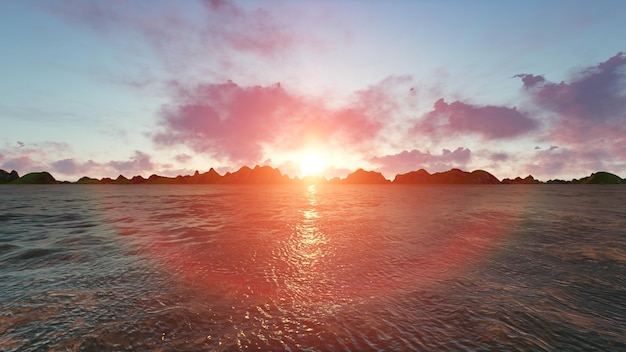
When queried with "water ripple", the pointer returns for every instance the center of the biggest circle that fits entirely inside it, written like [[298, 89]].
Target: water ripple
[[318, 268]]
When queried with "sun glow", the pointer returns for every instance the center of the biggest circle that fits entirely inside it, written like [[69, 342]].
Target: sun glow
[[311, 164]]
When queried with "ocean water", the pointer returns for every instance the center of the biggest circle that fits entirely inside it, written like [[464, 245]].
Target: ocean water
[[312, 267]]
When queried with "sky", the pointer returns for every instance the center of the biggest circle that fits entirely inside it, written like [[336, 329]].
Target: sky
[[103, 88]]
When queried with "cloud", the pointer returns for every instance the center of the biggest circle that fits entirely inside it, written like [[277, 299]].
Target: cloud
[[530, 80], [588, 109], [73, 167], [499, 157], [182, 158], [139, 163], [412, 160], [31, 157], [489, 122], [20, 163], [567, 163], [238, 123], [44, 157], [227, 120], [254, 31], [210, 32]]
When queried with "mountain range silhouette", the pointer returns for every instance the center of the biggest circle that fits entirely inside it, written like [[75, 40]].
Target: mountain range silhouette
[[269, 175]]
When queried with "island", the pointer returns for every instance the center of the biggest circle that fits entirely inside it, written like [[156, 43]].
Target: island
[[263, 175]]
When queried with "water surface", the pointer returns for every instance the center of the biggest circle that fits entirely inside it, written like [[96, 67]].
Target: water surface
[[317, 267]]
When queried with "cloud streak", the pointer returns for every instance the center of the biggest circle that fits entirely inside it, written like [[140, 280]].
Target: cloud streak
[[210, 33], [45, 157]]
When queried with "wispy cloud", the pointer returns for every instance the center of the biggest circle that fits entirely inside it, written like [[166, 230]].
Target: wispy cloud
[[211, 32], [45, 157]]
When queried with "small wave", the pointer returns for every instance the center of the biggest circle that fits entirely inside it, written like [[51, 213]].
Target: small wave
[[35, 253], [7, 247]]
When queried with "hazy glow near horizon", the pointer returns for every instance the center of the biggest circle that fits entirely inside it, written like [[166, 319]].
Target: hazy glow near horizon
[[514, 88]]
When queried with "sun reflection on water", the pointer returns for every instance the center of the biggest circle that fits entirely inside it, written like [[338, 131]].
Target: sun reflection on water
[[308, 242], [304, 257]]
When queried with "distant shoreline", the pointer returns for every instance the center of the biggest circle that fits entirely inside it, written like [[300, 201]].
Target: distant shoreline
[[266, 175]]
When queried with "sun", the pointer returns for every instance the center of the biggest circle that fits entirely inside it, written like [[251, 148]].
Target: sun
[[311, 164]]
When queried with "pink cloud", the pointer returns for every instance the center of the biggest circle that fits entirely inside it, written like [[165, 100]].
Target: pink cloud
[[488, 122], [227, 120], [22, 164], [235, 123], [415, 159]]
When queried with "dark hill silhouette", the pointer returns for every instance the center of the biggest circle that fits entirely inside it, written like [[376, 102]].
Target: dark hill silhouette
[[361, 176], [602, 177], [210, 176], [36, 178], [87, 180], [528, 180], [121, 180], [8, 176], [454, 176], [263, 175], [420, 176], [258, 175], [137, 180]]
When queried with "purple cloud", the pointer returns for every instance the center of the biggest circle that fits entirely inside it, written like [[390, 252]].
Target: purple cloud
[[489, 122], [589, 112], [139, 163], [530, 80], [412, 160], [572, 163], [499, 157], [74, 167], [596, 94], [590, 108], [254, 31]]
